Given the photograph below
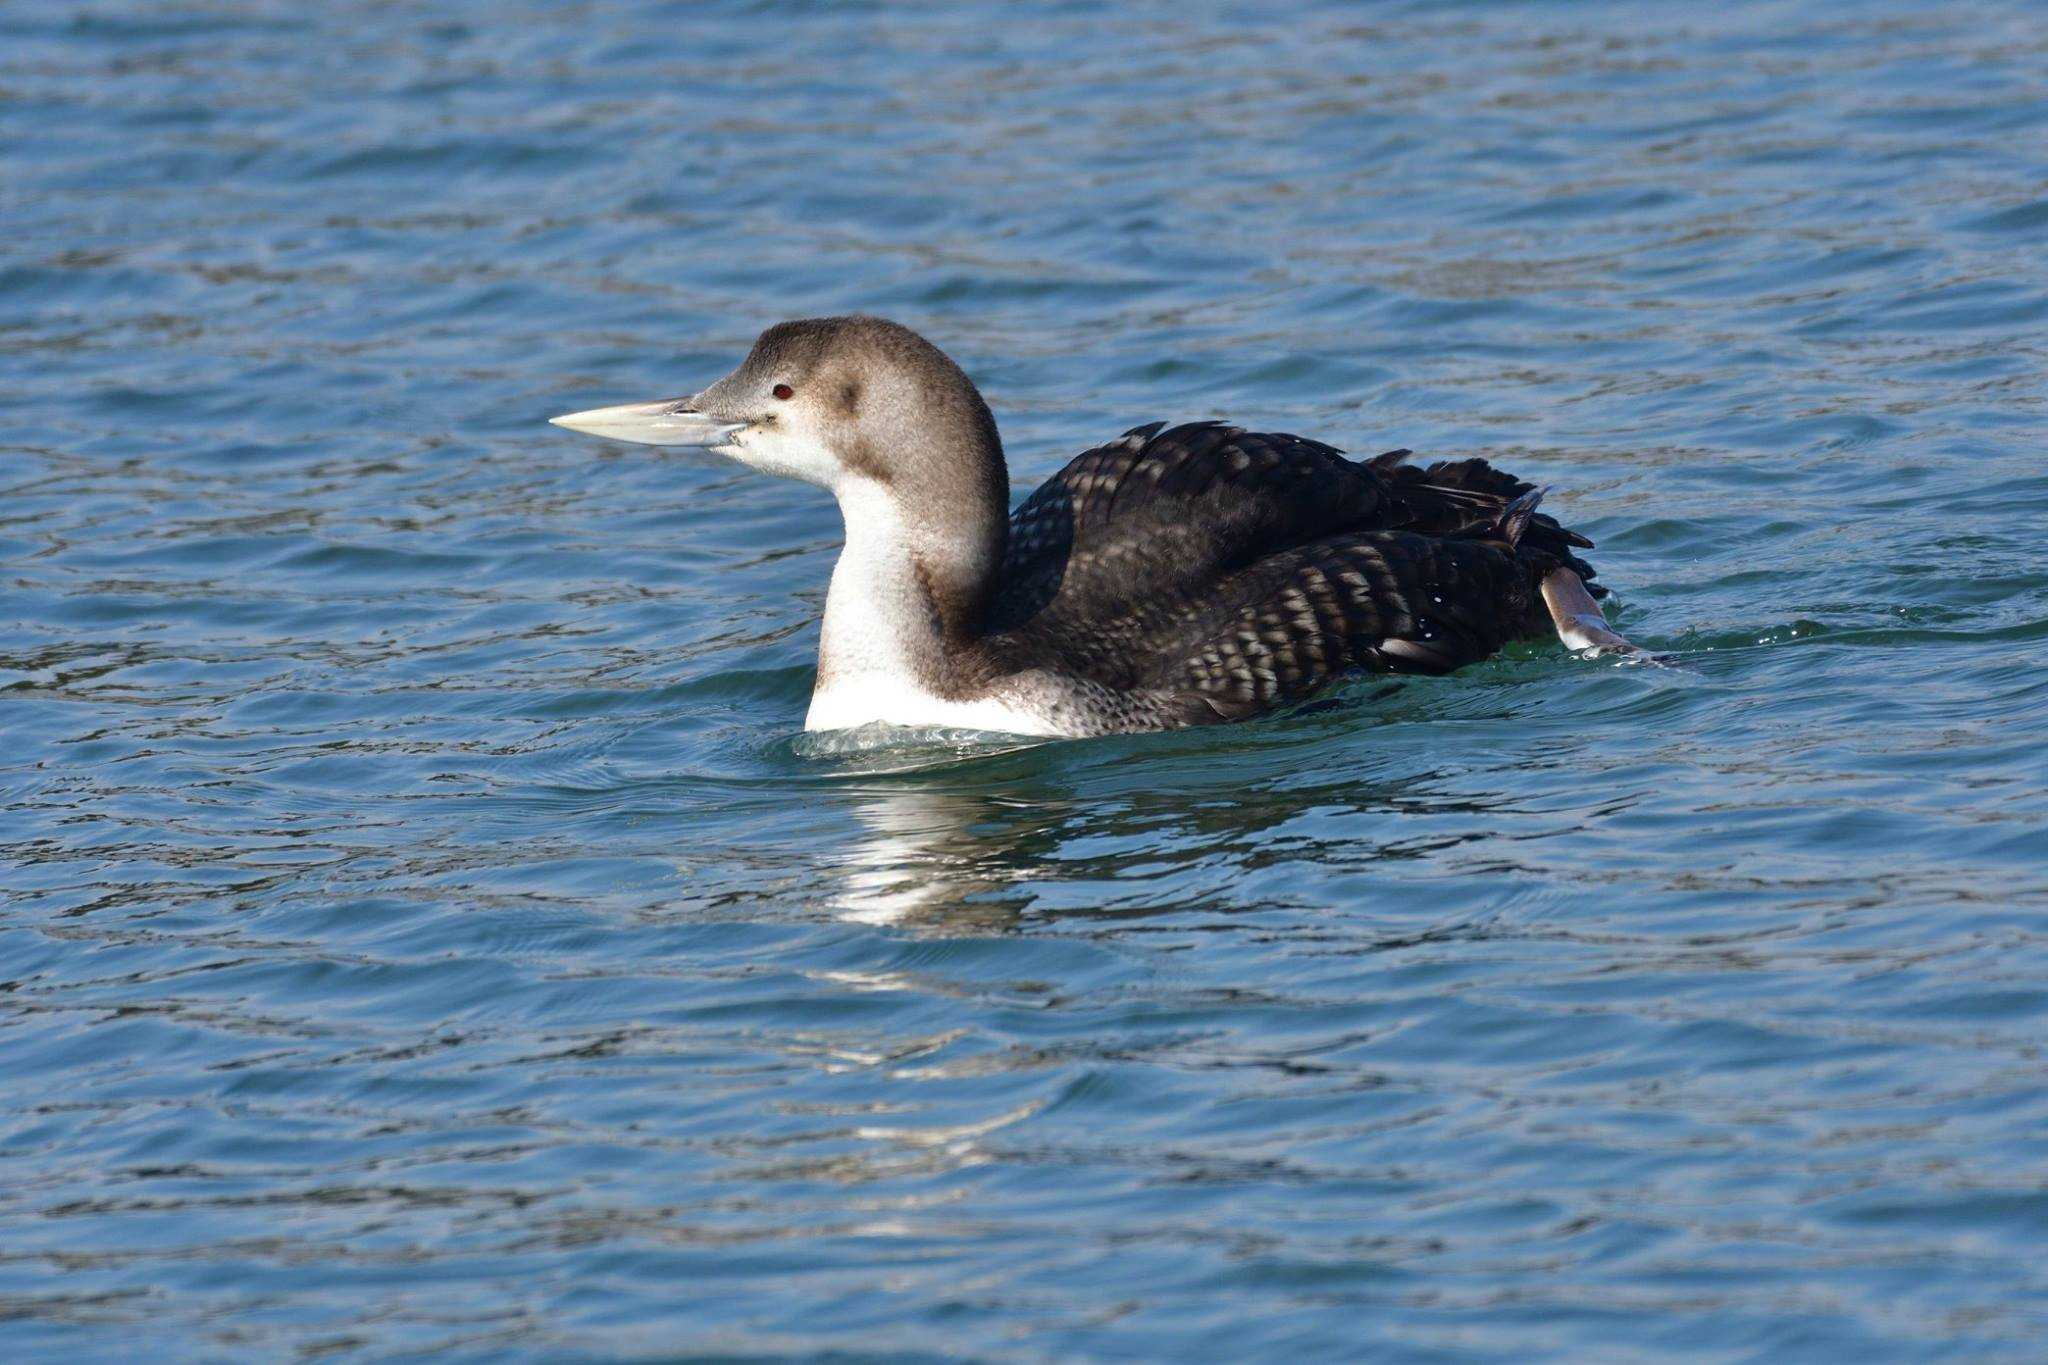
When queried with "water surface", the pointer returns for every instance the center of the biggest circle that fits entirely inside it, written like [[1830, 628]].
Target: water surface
[[426, 930]]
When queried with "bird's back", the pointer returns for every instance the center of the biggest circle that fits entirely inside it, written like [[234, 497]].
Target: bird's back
[[1208, 572]]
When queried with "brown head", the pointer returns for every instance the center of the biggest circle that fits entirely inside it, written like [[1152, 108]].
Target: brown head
[[871, 410]]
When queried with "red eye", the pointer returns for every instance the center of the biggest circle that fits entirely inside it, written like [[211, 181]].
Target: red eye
[[784, 392]]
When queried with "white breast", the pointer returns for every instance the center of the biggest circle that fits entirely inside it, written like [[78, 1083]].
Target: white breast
[[841, 703], [875, 614]]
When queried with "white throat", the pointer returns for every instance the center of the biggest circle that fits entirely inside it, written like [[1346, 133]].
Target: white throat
[[880, 641], [878, 627]]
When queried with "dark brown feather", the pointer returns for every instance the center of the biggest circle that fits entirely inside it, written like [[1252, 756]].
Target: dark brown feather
[[1209, 573]]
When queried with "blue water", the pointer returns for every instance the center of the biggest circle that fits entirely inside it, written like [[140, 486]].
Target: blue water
[[427, 931]]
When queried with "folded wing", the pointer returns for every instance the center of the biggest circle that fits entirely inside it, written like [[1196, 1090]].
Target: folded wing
[[1166, 512], [1219, 572]]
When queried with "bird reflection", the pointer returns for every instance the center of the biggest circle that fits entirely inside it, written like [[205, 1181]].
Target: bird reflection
[[942, 856], [963, 849]]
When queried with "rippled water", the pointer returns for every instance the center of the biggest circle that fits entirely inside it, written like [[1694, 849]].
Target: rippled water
[[427, 930]]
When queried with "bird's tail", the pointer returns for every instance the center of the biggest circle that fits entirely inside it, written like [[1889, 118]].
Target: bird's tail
[[1472, 498], [1514, 518]]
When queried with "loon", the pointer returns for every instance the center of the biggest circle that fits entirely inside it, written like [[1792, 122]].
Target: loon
[[1176, 576]]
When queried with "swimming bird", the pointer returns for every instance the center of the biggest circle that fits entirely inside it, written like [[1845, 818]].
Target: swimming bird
[[1178, 575]]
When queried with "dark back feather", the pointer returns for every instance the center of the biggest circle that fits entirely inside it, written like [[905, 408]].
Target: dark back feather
[[1203, 572], [1162, 513], [1461, 498]]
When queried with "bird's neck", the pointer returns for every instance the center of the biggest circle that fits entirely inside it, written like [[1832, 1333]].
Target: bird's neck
[[904, 613]]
